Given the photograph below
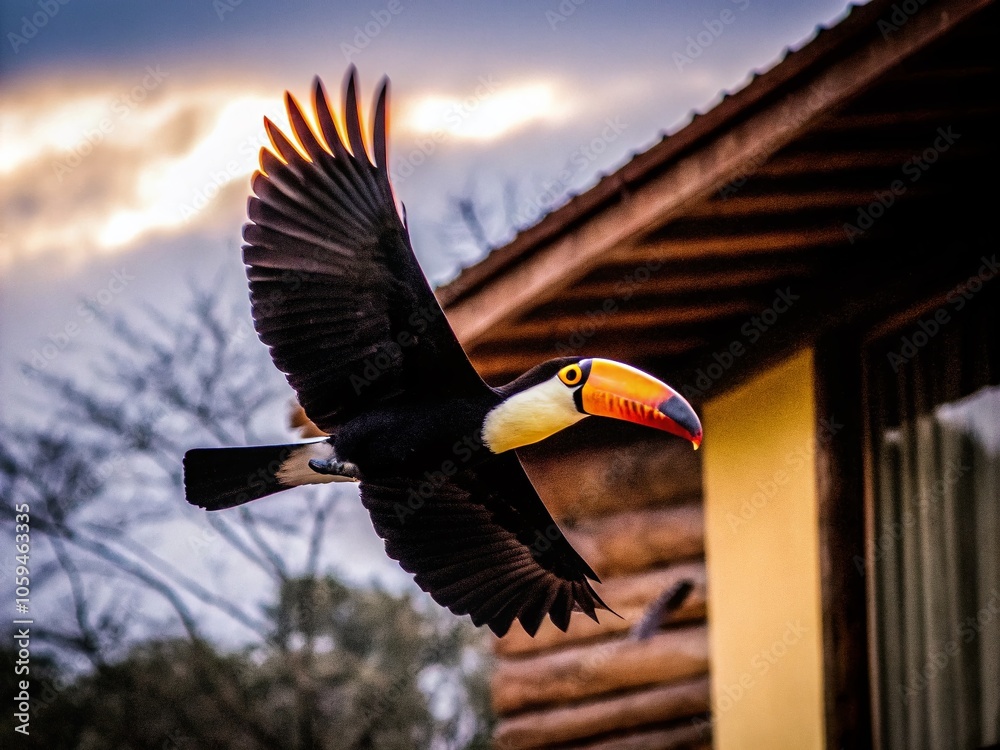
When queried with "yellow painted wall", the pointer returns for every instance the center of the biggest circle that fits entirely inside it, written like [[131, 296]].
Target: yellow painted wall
[[762, 552]]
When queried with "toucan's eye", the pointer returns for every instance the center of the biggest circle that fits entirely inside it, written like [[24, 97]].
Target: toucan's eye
[[571, 375]]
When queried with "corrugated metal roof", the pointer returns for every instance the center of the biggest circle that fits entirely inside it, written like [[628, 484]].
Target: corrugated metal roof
[[733, 104]]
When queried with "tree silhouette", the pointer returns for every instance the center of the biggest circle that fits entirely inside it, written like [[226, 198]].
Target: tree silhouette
[[324, 665], [345, 669]]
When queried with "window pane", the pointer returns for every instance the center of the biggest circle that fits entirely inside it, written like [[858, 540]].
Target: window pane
[[936, 473]]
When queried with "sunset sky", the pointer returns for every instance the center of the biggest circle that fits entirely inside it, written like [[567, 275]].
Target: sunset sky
[[127, 125], [129, 128]]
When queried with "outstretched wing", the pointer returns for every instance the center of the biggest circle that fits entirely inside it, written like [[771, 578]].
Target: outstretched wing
[[482, 543], [335, 290]]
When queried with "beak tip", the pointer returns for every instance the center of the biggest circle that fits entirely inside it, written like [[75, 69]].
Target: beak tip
[[678, 410]]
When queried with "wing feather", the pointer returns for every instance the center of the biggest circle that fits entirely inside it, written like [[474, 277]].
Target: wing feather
[[485, 546], [333, 279]]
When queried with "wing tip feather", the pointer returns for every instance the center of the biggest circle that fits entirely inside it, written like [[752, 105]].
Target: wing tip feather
[[352, 117]]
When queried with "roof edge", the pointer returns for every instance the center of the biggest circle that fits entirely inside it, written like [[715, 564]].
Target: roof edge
[[832, 41]]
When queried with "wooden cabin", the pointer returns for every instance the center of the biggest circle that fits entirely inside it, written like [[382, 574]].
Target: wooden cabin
[[813, 263]]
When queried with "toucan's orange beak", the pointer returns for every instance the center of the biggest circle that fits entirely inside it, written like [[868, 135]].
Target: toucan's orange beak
[[622, 392]]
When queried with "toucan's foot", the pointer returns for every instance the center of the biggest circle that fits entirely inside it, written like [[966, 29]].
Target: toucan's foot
[[334, 467]]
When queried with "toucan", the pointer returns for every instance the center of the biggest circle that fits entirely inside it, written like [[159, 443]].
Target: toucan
[[337, 295]]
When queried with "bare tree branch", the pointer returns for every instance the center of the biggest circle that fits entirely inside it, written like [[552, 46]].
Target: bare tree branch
[[193, 587]]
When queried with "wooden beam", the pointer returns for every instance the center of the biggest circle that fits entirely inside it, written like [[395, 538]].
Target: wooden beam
[[869, 120], [849, 34], [630, 320], [629, 596], [943, 73], [670, 280], [571, 255], [812, 162], [634, 541], [662, 703], [695, 734], [492, 362], [840, 489], [786, 202], [584, 672], [868, 287], [744, 244]]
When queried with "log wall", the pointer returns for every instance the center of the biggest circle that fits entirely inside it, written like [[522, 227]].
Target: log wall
[[634, 511]]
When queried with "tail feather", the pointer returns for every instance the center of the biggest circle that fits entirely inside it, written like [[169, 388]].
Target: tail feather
[[219, 478]]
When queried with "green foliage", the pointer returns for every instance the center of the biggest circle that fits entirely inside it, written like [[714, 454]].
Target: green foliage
[[346, 669]]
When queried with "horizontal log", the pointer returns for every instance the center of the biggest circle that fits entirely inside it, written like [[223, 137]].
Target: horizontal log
[[664, 314], [700, 247], [869, 120], [687, 736], [791, 201], [628, 596], [601, 481], [805, 162], [582, 672], [502, 364], [669, 280], [658, 704], [634, 541]]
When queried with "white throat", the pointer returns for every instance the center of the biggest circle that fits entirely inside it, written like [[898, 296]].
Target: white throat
[[529, 416]]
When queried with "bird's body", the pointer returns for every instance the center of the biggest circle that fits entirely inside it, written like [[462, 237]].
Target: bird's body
[[338, 296], [414, 438]]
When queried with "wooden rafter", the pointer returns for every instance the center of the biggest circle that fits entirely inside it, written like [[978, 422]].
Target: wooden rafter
[[694, 176], [614, 281]]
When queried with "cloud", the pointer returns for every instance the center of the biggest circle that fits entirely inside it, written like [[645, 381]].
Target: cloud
[[490, 111], [97, 166]]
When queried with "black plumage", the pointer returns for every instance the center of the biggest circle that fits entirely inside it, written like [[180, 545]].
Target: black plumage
[[339, 298], [335, 289]]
